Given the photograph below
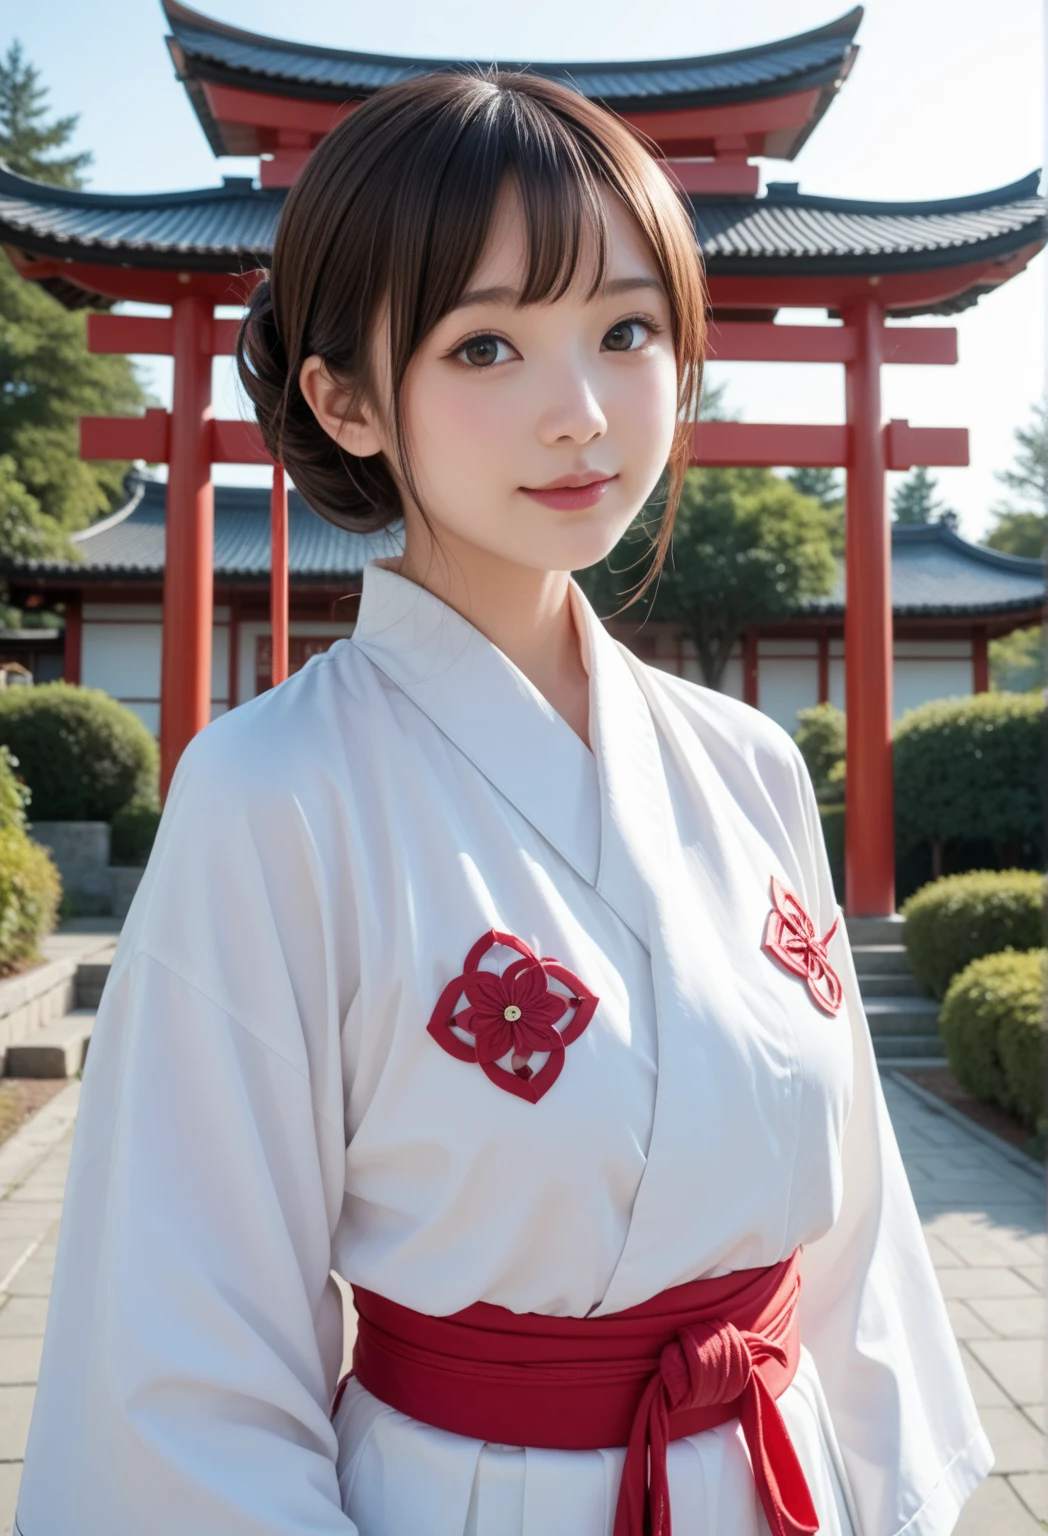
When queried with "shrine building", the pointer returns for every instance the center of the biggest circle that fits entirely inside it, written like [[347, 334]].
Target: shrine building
[[231, 591]]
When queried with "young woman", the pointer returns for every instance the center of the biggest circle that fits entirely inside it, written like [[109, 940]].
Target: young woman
[[485, 966]]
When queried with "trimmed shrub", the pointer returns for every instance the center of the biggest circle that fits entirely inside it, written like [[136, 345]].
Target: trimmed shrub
[[971, 770], [820, 735], [962, 917], [30, 888], [81, 753], [992, 1028], [30, 891], [133, 831]]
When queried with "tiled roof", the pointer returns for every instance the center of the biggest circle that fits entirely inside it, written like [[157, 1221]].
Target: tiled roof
[[934, 573], [208, 50], [130, 544], [223, 229], [231, 228]]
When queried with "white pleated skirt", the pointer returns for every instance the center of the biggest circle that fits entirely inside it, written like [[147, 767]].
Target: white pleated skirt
[[397, 1475]]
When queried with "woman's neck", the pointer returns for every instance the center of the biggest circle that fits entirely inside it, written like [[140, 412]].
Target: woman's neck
[[525, 612]]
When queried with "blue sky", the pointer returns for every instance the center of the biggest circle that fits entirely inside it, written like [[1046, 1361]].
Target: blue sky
[[945, 99]]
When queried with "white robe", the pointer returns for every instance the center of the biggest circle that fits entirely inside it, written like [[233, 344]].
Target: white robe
[[263, 1103]]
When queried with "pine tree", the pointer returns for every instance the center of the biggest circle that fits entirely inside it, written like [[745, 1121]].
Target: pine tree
[[915, 501], [48, 379], [823, 484], [1021, 519], [27, 140]]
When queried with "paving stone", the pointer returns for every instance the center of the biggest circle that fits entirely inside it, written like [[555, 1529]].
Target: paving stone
[[23, 1317], [942, 1255], [1017, 1445], [33, 1279], [1014, 1317], [1032, 1488], [16, 1406], [19, 1361], [1011, 1362], [1035, 1412], [10, 1477], [967, 1324], [986, 1283], [986, 1392], [995, 1509]]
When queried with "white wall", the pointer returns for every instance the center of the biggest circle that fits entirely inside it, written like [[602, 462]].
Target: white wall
[[120, 653]]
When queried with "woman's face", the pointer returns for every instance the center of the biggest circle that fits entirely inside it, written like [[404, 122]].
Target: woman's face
[[536, 433]]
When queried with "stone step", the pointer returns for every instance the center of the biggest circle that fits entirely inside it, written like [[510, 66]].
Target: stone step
[[881, 959], [893, 1063], [902, 1015], [926, 1048], [876, 930], [889, 984], [58, 1050], [91, 977]]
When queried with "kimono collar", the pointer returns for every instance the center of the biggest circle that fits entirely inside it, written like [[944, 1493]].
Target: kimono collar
[[599, 809]]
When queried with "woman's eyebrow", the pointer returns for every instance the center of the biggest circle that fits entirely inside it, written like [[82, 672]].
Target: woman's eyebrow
[[504, 294]]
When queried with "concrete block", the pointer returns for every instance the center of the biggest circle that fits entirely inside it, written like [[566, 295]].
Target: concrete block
[[57, 1051], [1016, 1444], [986, 1284], [81, 851], [995, 1509], [881, 960], [1032, 1488], [16, 1406], [1012, 1364], [875, 930], [20, 1361], [1013, 1317]]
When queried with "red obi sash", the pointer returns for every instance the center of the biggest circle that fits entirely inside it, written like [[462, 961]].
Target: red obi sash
[[693, 1357]]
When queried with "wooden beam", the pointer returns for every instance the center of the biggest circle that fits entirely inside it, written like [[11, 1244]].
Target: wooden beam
[[738, 444], [127, 437], [152, 335], [918, 344], [743, 341], [906, 446], [237, 442]]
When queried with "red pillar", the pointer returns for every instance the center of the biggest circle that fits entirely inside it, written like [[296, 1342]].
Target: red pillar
[[278, 577], [869, 829], [185, 688], [824, 666], [980, 662], [74, 638]]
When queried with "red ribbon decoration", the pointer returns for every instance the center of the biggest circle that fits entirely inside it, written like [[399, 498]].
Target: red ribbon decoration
[[695, 1356], [790, 937], [514, 1014]]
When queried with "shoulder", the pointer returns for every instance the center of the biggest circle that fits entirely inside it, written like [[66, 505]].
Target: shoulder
[[736, 737], [287, 738]]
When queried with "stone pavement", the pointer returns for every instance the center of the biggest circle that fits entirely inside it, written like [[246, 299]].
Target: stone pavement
[[983, 1213]]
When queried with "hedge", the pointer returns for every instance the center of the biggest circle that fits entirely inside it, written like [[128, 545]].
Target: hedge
[[30, 888], [821, 736], [133, 831], [953, 921], [81, 753], [971, 770], [992, 1025]]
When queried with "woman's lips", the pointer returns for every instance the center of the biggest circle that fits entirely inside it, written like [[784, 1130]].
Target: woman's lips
[[571, 498]]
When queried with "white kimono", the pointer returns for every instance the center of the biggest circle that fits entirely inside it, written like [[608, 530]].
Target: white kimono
[[264, 1103]]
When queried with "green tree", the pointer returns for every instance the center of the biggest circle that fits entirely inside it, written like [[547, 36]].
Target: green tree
[[48, 379], [1017, 661], [824, 485], [747, 549], [1020, 519], [915, 501], [27, 139]]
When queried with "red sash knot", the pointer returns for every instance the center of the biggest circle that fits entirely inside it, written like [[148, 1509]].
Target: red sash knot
[[693, 1357]]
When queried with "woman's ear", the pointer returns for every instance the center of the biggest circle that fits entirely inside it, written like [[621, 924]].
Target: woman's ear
[[348, 419]]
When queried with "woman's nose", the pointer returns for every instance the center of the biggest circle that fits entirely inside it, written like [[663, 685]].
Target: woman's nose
[[574, 413]]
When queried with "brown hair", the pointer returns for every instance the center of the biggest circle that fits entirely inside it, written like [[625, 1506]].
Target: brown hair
[[395, 205]]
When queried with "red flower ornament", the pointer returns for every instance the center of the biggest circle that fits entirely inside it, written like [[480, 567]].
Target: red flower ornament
[[512, 1017], [790, 937]]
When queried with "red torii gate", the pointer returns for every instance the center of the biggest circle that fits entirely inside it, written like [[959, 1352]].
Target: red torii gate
[[707, 118], [189, 439]]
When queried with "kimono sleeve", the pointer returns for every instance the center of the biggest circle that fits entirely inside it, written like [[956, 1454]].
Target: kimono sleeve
[[872, 1313], [195, 1336]]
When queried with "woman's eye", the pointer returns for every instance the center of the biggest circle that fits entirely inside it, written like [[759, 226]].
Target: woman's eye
[[482, 351], [627, 336]]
